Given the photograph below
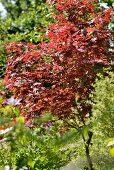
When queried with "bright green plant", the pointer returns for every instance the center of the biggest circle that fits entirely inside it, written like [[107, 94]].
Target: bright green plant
[[103, 110], [39, 148], [14, 8], [103, 121]]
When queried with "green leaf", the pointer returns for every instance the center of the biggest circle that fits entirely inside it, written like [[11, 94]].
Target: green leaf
[[16, 111], [31, 164], [111, 143], [112, 152], [85, 131], [20, 119]]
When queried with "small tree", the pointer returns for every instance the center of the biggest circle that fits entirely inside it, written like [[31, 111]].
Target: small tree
[[57, 76]]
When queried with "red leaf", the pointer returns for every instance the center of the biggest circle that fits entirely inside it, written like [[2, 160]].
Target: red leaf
[[90, 30]]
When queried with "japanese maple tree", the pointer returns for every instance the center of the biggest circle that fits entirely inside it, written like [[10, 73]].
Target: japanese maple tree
[[57, 76]]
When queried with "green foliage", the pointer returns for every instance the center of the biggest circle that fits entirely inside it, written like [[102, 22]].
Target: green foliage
[[108, 3], [34, 148], [15, 8], [101, 122], [27, 27], [3, 58], [103, 110]]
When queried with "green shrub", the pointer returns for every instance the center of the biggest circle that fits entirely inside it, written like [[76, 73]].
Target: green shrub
[[103, 106]]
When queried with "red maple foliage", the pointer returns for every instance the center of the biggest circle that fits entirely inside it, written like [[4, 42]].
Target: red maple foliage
[[57, 76]]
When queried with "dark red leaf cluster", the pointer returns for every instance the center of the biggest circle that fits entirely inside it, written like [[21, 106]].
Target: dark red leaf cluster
[[57, 76]]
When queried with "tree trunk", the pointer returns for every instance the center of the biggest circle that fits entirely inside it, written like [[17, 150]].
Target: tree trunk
[[89, 158], [87, 145]]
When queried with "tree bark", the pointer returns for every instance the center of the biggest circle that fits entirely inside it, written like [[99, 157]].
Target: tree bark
[[87, 145]]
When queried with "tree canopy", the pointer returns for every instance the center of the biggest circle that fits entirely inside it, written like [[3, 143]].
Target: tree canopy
[[15, 8]]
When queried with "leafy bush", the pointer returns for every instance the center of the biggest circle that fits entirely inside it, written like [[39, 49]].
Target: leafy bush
[[37, 148], [27, 27], [102, 121], [3, 58], [103, 110]]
